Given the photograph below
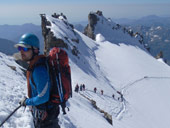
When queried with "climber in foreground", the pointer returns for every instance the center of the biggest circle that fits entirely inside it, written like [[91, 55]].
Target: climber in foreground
[[46, 90]]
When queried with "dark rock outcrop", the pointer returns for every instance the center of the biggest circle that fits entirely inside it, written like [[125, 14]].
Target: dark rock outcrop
[[92, 21], [160, 55], [99, 13], [50, 40], [107, 116]]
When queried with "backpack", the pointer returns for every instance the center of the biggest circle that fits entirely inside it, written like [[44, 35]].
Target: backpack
[[57, 64], [60, 74]]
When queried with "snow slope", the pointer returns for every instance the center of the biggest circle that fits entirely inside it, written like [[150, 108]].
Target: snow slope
[[122, 66], [12, 89], [117, 61], [144, 82]]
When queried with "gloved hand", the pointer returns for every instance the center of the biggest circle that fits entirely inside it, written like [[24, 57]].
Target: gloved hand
[[22, 102]]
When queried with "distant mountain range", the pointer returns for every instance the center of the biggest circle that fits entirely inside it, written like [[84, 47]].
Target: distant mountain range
[[7, 46], [147, 21], [156, 33], [79, 27], [155, 29], [151, 20], [13, 33]]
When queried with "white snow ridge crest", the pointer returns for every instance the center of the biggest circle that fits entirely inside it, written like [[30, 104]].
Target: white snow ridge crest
[[109, 66]]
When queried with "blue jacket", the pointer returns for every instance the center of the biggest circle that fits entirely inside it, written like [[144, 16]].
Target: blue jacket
[[41, 93]]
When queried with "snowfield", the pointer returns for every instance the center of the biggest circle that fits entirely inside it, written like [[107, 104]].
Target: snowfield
[[123, 65], [12, 89]]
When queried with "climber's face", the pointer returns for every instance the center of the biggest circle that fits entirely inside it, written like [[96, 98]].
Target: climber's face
[[26, 53]]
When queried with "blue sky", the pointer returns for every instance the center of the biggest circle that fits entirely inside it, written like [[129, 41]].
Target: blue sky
[[27, 11], [85, 1]]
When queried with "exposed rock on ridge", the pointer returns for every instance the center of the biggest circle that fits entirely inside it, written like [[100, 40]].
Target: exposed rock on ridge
[[98, 24], [51, 40], [92, 21]]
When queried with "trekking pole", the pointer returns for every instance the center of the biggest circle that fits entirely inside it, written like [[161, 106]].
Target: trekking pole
[[10, 115]]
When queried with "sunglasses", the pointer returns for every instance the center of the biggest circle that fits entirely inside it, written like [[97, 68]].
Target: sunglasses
[[23, 48]]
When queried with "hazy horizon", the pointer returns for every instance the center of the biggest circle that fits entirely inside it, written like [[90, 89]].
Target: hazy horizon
[[86, 20], [19, 12]]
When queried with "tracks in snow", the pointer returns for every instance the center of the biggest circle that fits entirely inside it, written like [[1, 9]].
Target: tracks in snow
[[113, 106]]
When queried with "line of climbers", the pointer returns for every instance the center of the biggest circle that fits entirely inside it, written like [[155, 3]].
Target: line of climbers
[[119, 98], [82, 88], [101, 91]]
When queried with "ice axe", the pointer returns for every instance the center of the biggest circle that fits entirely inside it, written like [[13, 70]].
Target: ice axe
[[10, 115]]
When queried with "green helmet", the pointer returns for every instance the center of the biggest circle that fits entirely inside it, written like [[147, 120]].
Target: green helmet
[[28, 40]]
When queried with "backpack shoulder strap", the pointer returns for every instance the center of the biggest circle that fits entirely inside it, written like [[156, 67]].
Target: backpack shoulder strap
[[37, 61]]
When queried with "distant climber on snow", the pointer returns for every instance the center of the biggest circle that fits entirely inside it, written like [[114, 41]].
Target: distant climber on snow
[[83, 87], [101, 92], [95, 89], [77, 88], [113, 96]]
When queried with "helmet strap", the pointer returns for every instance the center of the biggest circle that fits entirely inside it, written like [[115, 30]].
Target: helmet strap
[[33, 53]]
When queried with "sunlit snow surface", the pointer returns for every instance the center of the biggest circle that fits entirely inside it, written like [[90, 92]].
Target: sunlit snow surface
[[115, 62]]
